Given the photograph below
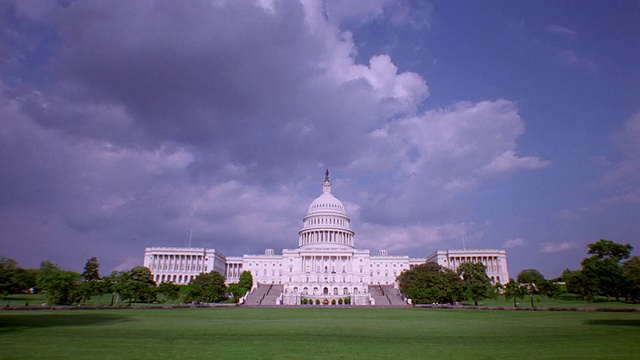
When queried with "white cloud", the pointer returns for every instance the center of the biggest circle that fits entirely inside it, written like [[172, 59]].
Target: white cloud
[[398, 13], [552, 248], [399, 239], [570, 58], [509, 161], [514, 243], [562, 31], [452, 147], [568, 215], [621, 179]]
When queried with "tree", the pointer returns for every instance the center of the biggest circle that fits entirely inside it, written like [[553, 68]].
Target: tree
[[475, 281], [549, 289], [496, 290], [578, 283], [631, 269], [14, 279], [246, 281], [60, 286], [102, 288], [86, 291], [123, 286], [513, 290], [8, 270], [206, 287], [236, 291], [530, 276], [91, 270], [25, 279], [110, 286], [604, 266], [137, 285], [602, 249], [170, 290], [430, 283]]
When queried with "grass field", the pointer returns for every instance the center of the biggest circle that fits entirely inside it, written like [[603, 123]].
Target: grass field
[[316, 333], [564, 300]]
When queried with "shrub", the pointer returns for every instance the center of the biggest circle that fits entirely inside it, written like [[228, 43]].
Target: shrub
[[333, 301], [304, 301], [340, 301], [317, 301], [347, 301]]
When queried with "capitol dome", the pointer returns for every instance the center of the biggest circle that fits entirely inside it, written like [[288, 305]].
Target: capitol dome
[[326, 203], [326, 223]]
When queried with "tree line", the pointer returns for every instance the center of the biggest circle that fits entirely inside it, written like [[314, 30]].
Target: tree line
[[63, 287], [609, 271], [603, 273]]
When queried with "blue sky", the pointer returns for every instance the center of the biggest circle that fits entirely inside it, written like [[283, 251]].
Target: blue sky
[[512, 125]]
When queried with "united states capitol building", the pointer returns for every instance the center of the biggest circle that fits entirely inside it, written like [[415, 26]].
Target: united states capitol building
[[325, 266]]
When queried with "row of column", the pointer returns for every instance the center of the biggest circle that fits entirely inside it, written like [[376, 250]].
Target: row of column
[[233, 270], [491, 262], [193, 263], [324, 264], [175, 278], [326, 236]]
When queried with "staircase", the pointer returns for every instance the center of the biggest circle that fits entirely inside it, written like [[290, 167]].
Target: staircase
[[264, 294], [386, 295]]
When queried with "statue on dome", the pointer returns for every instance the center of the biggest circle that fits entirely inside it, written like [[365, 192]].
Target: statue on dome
[[326, 175]]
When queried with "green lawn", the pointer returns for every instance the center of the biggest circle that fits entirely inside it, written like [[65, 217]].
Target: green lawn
[[108, 299], [563, 300], [316, 333]]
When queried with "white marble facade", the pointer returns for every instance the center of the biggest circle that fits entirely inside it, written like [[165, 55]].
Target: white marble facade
[[325, 265]]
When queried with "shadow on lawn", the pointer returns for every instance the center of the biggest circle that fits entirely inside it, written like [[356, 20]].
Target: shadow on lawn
[[10, 323], [615, 322]]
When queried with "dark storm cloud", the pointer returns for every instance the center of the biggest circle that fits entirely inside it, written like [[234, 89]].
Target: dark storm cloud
[[232, 80]]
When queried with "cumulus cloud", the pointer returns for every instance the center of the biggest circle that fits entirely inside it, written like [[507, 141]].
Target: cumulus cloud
[[552, 248], [441, 153], [514, 243]]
